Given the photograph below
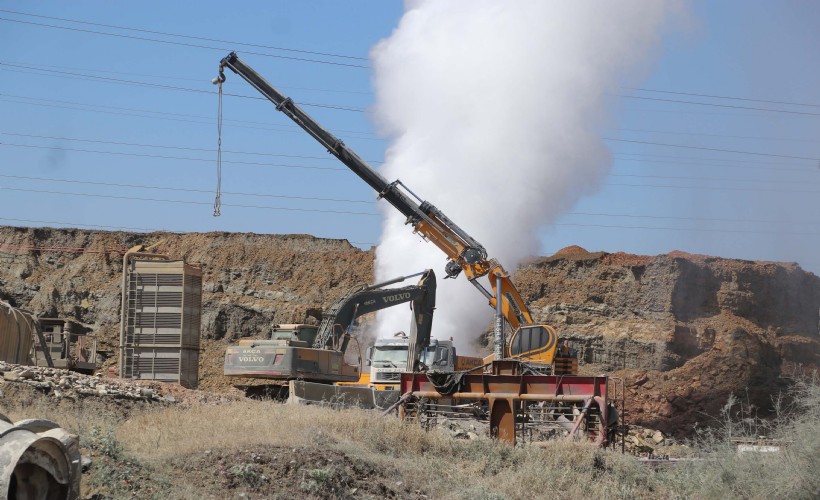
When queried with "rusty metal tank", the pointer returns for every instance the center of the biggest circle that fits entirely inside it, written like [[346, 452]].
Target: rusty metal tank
[[38, 459], [16, 334]]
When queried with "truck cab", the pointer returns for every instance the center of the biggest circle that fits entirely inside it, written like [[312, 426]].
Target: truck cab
[[387, 358]]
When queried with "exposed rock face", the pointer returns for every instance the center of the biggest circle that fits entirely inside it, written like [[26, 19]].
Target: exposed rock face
[[686, 330], [682, 330]]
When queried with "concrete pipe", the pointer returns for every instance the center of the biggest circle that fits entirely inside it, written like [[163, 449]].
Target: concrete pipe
[[38, 460]]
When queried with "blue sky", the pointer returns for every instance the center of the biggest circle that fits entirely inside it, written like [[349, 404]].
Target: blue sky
[[79, 134]]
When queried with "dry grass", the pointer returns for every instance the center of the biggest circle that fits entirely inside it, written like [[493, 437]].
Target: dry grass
[[245, 423], [152, 442], [439, 465]]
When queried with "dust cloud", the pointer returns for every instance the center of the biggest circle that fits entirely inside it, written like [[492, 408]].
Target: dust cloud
[[493, 112]]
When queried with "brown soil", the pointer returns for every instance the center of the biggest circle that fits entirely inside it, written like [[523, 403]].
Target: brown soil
[[279, 472]]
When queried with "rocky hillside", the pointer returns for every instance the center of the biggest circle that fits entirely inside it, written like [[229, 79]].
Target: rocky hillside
[[683, 330], [250, 281]]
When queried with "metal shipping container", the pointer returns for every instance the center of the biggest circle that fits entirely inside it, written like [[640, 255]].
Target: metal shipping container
[[16, 333], [163, 314]]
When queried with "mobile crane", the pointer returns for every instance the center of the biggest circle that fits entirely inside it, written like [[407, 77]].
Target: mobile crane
[[537, 344]]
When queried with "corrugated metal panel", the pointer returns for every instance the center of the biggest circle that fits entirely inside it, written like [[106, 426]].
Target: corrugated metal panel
[[167, 364], [16, 334], [163, 321]]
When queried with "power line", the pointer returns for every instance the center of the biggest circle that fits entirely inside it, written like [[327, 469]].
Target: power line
[[41, 66], [672, 164], [702, 113], [279, 165], [187, 190], [684, 146], [709, 188], [208, 120], [181, 78], [82, 225], [274, 128], [776, 181], [344, 108], [154, 230], [743, 161], [121, 81], [191, 37], [282, 165], [329, 54], [670, 132], [165, 188], [183, 44], [696, 230], [159, 146], [725, 97], [711, 104], [698, 219], [36, 248], [293, 128], [711, 149], [729, 179], [187, 202], [164, 157]]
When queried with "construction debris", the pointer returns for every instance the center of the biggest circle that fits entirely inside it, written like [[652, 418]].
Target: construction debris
[[67, 384], [38, 459]]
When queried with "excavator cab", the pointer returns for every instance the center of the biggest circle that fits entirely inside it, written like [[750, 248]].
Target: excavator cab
[[539, 344], [535, 342], [294, 334]]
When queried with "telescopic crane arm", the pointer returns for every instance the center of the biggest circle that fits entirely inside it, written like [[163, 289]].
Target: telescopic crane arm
[[464, 253]]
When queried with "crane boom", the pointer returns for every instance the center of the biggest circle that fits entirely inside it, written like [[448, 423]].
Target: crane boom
[[464, 253]]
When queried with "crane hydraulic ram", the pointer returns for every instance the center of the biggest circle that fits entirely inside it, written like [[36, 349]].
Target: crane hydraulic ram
[[536, 343]]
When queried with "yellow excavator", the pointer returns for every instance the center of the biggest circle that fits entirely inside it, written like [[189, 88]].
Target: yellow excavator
[[536, 344]]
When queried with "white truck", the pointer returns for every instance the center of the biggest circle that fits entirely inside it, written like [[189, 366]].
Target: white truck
[[387, 360]]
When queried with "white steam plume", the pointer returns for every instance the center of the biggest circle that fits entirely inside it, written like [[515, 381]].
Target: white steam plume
[[494, 110]]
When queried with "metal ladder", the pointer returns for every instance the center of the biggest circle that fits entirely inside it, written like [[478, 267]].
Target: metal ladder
[[130, 326]]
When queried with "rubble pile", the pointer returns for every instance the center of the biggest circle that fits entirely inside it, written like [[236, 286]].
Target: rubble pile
[[67, 384], [641, 440]]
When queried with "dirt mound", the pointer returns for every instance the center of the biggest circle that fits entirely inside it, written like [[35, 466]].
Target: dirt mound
[[572, 252], [279, 472]]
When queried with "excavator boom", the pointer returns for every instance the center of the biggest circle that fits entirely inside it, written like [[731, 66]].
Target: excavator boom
[[302, 351]]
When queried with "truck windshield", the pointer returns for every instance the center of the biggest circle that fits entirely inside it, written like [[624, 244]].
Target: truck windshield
[[390, 356], [428, 356]]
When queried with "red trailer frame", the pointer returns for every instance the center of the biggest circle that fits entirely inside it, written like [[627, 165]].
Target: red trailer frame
[[505, 386]]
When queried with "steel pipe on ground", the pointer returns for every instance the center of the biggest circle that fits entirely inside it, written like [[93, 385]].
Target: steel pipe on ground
[[501, 395]]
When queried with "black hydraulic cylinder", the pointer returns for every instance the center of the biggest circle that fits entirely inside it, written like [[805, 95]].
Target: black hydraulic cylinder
[[334, 145]]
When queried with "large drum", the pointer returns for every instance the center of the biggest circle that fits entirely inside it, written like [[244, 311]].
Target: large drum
[[16, 333]]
